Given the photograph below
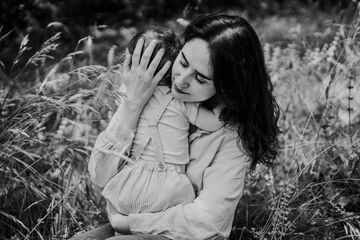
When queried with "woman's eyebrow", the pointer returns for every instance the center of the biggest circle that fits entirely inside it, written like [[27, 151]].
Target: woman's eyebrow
[[202, 75]]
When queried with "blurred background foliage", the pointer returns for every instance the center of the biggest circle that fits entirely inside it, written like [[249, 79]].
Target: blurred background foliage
[[59, 66], [76, 19], [113, 22]]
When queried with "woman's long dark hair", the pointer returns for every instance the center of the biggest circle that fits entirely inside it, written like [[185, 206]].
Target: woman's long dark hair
[[241, 81]]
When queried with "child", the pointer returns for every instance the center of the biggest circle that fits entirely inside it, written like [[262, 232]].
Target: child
[[156, 180]]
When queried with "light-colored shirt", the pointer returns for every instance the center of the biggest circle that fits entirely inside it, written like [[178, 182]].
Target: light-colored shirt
[[173, 128], [217, 171]]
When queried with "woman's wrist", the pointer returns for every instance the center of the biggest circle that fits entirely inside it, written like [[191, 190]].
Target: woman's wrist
[[125, 117], [133, 104]]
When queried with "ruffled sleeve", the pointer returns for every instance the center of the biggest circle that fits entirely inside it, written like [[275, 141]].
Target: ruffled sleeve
[[105, 158]]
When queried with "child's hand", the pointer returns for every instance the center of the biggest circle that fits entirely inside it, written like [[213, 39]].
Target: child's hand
[[217, 109], [209, 119], [118, 222]]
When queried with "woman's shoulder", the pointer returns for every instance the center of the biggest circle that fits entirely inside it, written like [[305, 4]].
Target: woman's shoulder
[[219, 148], [228, 134], [229, 148], [226, 137], [231, 138]]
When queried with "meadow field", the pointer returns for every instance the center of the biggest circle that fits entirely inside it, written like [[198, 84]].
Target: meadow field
[[56, 98]]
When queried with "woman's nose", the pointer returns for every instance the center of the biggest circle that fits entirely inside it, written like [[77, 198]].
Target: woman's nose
[[184, 84], [183, 80]]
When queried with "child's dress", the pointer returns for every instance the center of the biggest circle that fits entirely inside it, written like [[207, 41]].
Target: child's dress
[[160, 149]]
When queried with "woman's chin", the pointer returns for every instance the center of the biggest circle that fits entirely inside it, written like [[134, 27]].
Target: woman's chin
[[184, 97], [178, 96]]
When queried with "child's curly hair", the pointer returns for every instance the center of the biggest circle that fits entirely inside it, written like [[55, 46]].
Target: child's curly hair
[[167, 40]]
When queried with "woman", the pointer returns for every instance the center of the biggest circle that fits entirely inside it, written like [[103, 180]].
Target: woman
[[221, 63]]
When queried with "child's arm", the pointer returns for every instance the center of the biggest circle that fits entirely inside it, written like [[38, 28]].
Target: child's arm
[[208, 120]]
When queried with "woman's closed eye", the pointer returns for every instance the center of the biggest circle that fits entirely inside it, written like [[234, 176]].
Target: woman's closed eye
[[198, 77], [183, 63]]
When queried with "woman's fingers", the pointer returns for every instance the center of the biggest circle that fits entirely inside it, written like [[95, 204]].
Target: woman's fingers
[[137, 54], [127, 62], [161, 73], [155, 62], [144, 62], [138, 64]]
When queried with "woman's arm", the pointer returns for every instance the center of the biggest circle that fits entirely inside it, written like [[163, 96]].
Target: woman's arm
[[103, 163], [210, 216], [140, 84]]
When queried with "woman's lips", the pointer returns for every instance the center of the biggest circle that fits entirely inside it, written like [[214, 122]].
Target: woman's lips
[[179, 90]]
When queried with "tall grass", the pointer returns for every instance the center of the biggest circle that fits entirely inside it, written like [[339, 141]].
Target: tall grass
[[313, 190], [51, 111], [46, 134]]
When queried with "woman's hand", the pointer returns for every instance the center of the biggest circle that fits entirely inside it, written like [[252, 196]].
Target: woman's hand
[[139, 78], [118, 222], [140, 83]]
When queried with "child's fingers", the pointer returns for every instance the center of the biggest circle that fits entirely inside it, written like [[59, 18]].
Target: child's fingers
[[155, 62], [137, 53], [127, 62], [145, 58], [162, 72]]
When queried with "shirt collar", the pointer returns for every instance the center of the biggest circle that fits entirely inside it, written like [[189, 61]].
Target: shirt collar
[[164, 89]]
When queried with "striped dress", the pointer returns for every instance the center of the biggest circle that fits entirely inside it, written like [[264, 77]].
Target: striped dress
[[157, 180]]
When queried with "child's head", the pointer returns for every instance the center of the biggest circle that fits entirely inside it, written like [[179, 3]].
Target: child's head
[[165, 39]]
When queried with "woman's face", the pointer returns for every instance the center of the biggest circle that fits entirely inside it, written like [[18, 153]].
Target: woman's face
[[191, 73]]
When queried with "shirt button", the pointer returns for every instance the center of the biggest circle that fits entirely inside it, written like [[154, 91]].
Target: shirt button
[[161, 165]]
